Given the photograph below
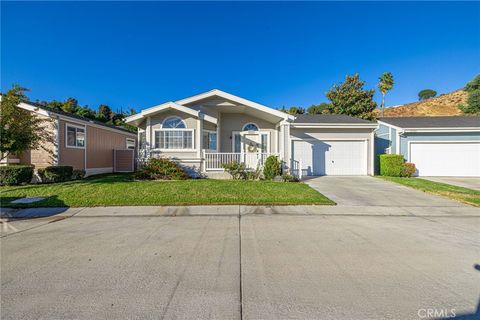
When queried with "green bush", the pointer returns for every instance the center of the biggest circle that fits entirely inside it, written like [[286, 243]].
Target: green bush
[[236, 169], [408, 169], [15, 175], [78, 174], [55, 174], [272, 168], [161, 169], [391, 165], [287, 177]]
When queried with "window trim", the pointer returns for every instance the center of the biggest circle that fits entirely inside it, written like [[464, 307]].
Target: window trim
[[246, 124], [67, 125], [173, 117], [132, 140], [174, 150]]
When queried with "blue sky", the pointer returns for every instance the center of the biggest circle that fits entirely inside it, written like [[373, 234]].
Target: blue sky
[[279, 54]]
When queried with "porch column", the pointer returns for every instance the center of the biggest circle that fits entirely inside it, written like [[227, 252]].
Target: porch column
[[199, 138], [287, 144], [148, 137], [281, 143]]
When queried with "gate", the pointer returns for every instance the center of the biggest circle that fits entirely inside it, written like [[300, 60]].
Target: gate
[[123, 160]]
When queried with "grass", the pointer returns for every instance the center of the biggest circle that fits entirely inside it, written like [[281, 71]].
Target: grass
[[461, 194], [121, 190]]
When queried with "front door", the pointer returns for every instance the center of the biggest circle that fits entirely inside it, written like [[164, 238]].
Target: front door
[[251, 147]]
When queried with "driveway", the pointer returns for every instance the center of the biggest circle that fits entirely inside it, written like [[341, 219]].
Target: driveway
[[107, 266], [466, 182], [370, 191]]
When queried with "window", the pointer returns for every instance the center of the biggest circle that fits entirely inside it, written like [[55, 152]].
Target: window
[[250, 127], [173, 123], [209, 140], [75, 136], [237, 142], [174, 139], [143, 140], [264, 143], [130, 143]]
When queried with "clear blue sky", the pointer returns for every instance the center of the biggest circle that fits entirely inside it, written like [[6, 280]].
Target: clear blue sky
[[142, 54]]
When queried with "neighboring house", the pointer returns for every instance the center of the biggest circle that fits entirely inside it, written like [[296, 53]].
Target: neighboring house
[[438, 146], [81, 143], [208, 130]]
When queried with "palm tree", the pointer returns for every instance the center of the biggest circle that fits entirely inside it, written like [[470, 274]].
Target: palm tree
[[384, 85]]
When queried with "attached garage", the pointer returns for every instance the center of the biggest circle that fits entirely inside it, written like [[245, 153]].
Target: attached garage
[[447, 159], [438, 146], [332, 145]]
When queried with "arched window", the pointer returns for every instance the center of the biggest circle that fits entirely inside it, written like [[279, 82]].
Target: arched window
[[173, 123], [250, 127]]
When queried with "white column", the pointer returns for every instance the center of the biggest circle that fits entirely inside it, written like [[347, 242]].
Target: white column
[[218, 133], [281, 142], [287, 143], [199, 137], [148, 137]]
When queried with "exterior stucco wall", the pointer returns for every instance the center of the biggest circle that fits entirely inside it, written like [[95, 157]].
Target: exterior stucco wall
[[235, 121], [440, 136], [45, 155], [337, 134]]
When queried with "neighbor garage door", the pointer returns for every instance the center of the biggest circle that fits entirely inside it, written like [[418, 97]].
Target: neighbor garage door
[[446, 159], [320, 158]]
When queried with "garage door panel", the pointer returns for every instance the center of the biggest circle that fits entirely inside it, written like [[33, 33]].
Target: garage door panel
[[331, 157], [460, 159]]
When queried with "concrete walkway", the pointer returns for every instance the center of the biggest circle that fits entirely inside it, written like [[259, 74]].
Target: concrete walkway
[[466, 182]]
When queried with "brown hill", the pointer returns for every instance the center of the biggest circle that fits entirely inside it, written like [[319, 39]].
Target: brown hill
[[444, 105]]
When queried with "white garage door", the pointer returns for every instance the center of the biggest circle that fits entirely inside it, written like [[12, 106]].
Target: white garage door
[[446, 159], [320, 158]]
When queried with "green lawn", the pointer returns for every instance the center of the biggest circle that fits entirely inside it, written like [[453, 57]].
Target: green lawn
[[461, 194], [121, 190]]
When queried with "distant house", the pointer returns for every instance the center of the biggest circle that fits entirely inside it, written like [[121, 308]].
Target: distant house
[[81, 143], [208, 130], [438, 146]]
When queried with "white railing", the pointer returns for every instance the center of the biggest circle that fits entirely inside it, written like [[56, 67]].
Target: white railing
[[216, 160], [296, 168]]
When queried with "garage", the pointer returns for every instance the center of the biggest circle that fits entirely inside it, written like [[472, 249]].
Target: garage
[[331, 157], [447, 159]]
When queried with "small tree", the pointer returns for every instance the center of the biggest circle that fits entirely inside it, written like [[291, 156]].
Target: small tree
[[296, 110], [385, 84], [351, 99], [272, 168], [473, 100], [426, 94], [319, 108], [20, 130], [104, 113]]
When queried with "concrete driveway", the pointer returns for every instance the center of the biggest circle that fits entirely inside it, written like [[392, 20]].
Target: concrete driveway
[[370, 191], [99, 264], [466, 182]]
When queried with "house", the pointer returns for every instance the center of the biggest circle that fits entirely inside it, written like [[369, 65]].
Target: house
[[438, 146], [81, 143], [206, 131]]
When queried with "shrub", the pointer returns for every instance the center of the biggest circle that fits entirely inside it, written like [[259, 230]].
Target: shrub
[[55, 174], [15, 175], [253, 174], [236, 169], [161, 169], [272, 168], [287, 177], [408, 169], [391, 165], [78, 174]]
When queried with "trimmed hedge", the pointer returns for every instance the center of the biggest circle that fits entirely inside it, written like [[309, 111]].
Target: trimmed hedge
[[391, 165], [55, 174], [272, 168], [15, 175]]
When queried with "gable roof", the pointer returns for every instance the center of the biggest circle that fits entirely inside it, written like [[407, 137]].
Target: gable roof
[[444, 122], [180, 105], [330, 121]]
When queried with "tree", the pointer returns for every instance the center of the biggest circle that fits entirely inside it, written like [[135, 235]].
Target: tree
[[319, 108], [473, 100], [385, 84], [70, 105], [20, 130], [86, 112], [296, 110], [426, 94], [104, 113], [351, 99]]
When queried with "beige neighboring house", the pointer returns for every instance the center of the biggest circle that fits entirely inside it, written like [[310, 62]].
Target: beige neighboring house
[[208, 130], [81, 143]]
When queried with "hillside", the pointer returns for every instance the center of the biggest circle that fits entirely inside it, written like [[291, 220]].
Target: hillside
[[444, 105]]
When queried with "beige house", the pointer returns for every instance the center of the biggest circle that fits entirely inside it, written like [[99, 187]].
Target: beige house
[[208, 130], [81, 143]]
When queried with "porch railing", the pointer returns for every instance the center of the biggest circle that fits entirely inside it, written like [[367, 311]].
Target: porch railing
[[296, 168], [216, 160]]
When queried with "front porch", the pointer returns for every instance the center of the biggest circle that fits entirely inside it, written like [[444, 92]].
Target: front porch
[[215, 161]]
